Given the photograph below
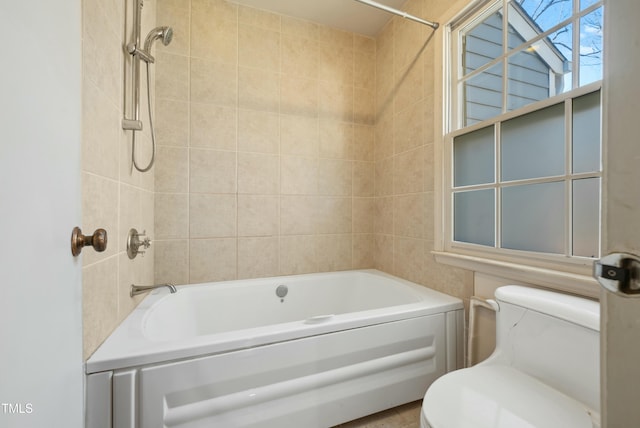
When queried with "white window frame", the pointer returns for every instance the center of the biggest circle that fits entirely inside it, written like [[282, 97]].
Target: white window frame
[[565, 272]]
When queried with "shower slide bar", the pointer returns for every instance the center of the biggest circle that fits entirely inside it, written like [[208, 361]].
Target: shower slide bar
[[165, 34], [405, 15]]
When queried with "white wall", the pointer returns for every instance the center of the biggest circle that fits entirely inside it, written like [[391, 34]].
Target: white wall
[[41, 373]]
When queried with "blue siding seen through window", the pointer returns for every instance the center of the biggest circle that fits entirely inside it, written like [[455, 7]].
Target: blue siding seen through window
[[530, 77]]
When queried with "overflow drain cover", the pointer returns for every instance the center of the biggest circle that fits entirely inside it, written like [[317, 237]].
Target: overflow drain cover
[[282, 291]]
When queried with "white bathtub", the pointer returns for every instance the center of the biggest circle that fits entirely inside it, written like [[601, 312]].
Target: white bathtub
[[337, 347]]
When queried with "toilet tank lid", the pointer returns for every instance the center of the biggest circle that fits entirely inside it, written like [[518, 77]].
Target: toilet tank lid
[[577, 310]]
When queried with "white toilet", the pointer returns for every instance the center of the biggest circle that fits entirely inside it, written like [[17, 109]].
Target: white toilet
[[544, 373]]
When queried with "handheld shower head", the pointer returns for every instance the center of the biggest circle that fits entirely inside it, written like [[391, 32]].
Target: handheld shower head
[[163, 33], [167, 36]]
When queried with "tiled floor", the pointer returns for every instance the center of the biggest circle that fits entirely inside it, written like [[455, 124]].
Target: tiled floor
[[406, 416]]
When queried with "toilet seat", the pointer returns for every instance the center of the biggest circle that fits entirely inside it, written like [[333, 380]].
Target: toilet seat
[[499, 396]]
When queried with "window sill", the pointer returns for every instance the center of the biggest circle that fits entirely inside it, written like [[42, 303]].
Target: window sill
[[582, 285]]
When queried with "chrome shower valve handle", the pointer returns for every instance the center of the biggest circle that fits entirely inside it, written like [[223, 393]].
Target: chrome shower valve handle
[[134, 243]]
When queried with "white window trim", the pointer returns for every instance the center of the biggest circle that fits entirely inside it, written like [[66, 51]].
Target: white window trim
[[557, 279], [572, 274]]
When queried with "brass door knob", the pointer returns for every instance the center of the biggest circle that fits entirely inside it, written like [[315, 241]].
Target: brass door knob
[[98, 240]]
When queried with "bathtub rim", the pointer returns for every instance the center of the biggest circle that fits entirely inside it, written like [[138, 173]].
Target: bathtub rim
[[127, 347]]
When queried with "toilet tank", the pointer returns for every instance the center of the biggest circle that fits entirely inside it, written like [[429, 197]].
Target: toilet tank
[[551, 336]]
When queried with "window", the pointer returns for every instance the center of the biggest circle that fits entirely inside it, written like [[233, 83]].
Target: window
[[549, 47], [524, 139]]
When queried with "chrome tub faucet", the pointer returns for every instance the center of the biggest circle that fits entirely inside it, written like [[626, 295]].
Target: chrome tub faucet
[[139, 289]]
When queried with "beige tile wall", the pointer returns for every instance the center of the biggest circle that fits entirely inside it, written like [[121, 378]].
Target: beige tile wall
[[113, 197], [266, 162], [265, 130], [409, 114]]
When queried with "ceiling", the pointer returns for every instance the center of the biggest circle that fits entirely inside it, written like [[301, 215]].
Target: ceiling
[[348, 15]]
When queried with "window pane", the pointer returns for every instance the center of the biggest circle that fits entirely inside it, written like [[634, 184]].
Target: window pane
[[474, 217], [586, 3], [532, 217], [586, 133], [533, 144], [538, 72], [483, 96], [482, 43], [538, 15], [586, 217], [591, 47], [473, 158]]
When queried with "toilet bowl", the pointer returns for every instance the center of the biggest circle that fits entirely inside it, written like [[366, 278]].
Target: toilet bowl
[[544, 372]]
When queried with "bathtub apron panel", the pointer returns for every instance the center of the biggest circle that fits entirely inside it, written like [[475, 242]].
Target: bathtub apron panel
[[311, 382]]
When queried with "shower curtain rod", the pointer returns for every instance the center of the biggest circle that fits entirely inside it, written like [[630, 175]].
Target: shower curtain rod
[[405, 15]]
